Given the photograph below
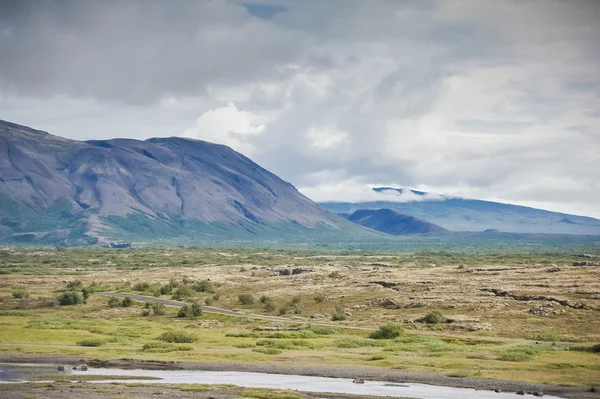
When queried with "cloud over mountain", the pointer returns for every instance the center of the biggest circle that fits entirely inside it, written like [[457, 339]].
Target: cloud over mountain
[[487, 99]]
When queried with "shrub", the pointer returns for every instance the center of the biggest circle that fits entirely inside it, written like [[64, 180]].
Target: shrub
[[182, 292], [203, 286], [270, 306], [127, 302], [320, 298], [93, 342], [196, 309], [166, 289], [193, 310], [216, 297], [434, 317], [142, 286], [158, 308], [208, 301], [113, 302], [388, 331], [265, 299], [178, 337], [184, 311], [75, 285], [70, 298], [595, 348], [246, 299], [338, 315], [20, 293]]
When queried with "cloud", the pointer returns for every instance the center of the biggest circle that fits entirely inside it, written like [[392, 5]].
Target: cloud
[[486, 99], [354, 191], [227, 125]]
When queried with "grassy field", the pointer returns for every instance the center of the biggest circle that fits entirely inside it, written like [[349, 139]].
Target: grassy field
[[526, 317]]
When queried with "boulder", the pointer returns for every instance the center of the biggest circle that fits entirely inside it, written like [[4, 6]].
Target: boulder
[[81, 367]]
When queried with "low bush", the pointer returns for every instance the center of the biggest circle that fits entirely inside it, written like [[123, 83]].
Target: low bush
[[178, 337], [246, 299], [156, 308], [74, 285], [320, 298], [164, 347], [114, 302], [434, 317], [358, 343], [193, 310], [338, 315], [551, 337], [20, 293], [92, 342], [203, 286], [388, 331], [595, 348], [141, 286], [70, 298], [182, 292], [14, 313], [267, 351], [127, 302]]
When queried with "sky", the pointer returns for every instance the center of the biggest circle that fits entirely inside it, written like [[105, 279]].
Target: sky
[[496, 100]]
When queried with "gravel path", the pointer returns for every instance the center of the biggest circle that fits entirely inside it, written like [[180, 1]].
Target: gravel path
[[210, 309]]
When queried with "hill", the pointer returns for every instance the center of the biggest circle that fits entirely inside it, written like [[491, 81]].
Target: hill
[[392, 222], [59, 191], [472, 215]]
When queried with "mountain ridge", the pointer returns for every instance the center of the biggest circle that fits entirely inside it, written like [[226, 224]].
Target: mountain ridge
[[473, 215], [59, 190]]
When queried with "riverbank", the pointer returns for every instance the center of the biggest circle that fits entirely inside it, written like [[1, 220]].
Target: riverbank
[[367, 373]]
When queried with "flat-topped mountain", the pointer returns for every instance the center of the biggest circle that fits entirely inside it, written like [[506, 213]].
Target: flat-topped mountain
[[56, 190], [392, 222]]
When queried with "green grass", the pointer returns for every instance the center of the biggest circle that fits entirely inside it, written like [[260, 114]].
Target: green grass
[[524, 353]]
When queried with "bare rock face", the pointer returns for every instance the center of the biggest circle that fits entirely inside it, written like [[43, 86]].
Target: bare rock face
[[59, 191]]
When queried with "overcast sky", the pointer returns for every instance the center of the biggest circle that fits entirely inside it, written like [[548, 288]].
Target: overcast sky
[[495, 100]]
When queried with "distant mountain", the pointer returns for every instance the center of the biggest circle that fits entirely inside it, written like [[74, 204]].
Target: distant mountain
[[392, 222], [458, 214], [59, 191]]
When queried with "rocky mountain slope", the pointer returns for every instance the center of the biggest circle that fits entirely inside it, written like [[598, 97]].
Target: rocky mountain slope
[[56, 190], [459, 214], [392, 222]]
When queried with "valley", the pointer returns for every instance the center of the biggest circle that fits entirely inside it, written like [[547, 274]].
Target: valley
[[527, 318]]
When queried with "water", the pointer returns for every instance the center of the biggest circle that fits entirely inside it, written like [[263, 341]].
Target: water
[[278, 381]]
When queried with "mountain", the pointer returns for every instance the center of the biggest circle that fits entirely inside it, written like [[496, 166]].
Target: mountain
[[392, 222], [458, 214], [59, 191]]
